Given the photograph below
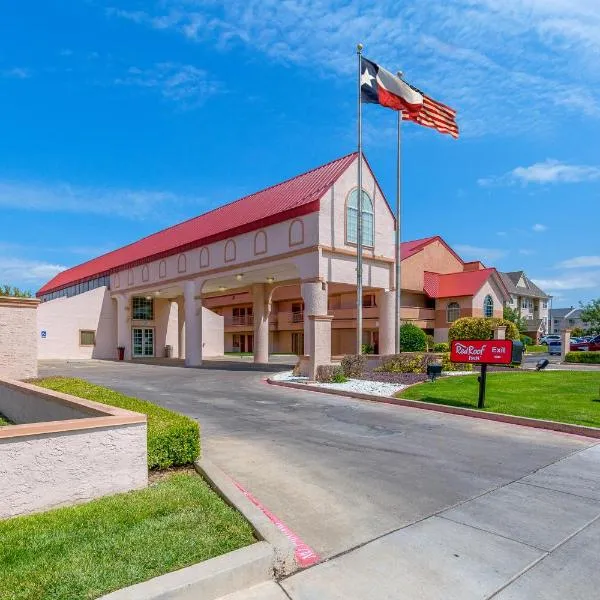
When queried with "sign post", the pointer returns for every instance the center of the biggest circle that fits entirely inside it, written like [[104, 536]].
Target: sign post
[[484, 353]]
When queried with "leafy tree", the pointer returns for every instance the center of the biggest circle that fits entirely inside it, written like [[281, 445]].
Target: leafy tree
[[14, 292], [577, 332], [481, 328], [512, 314], [412, 338], [590, 313]]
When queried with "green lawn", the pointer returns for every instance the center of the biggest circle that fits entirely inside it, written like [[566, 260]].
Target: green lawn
[[85, 551], [565, 396], [534, 349]]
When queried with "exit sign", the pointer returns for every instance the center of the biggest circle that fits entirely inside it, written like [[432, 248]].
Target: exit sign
[[488, 352]]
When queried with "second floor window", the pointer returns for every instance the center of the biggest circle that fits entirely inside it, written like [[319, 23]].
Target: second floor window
[[352, 219], [142, 308], [368, 301]]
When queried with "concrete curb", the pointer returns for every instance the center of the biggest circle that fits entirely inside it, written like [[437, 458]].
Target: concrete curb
[[284, 551], [590, 432], [208, 580]]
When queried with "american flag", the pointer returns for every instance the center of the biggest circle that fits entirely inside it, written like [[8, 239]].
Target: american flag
[[434, 114]]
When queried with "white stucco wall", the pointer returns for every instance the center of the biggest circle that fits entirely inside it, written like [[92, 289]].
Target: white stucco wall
[[63, 318], [40, 472], [213, 338], [18, 344]]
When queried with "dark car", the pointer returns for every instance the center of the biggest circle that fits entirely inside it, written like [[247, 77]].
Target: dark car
[[593, 344]]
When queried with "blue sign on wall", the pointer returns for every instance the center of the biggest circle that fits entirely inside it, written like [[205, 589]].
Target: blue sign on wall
[[44, 334]]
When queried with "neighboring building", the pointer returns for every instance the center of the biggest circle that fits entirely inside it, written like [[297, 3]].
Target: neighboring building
[[529, 300], [566, 318], [273, 272]]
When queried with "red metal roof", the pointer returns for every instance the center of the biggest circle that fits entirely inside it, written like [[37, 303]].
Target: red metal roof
[[451, 285], [294, 197], [407, 249]]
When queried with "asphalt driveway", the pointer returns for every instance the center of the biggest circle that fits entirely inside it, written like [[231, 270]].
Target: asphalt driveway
[[339, 472]]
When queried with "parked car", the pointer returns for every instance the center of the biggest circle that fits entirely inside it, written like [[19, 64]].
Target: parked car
[[554, 347], [593, 344], [545, 339]]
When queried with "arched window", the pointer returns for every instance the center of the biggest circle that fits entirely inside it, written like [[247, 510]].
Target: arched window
[[488, 306], [452, 312], [352, 218]]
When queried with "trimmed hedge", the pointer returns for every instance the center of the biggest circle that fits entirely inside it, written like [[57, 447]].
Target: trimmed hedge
[[588, 357], [330, 374], [441, 347], [412, 338], [480, 328], [353, 365], [417, 362], [173, 439]]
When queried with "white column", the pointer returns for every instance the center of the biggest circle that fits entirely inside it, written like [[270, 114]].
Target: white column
[[193, 325], [317, 325], [180, 327], [260, 312], [565, 340], [123, 324], [386, 301]]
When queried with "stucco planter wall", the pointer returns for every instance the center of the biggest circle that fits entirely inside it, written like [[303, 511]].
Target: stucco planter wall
[[18, 337], [70, 450]]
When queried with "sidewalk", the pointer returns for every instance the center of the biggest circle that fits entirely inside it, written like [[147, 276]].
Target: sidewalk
[[538, 537]]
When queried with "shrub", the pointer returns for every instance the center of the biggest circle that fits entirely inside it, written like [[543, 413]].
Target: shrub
[[353, 365], [583, 357], [526, 340], [408, 362], [412, 338], [338, 375], [368, 349], [296, 371], [441, 347], [173, 439], [480, 328]]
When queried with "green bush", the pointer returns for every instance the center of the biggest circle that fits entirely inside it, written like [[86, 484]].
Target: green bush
[[430, 342], [583, 357], [368, 349], [441, 347], [173, 439], [353, 365], [526, 340], [412, 338], [480, 328], [407, 362]]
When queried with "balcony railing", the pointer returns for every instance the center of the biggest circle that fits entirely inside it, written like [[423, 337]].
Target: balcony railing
[[296, 316], [240, 320]]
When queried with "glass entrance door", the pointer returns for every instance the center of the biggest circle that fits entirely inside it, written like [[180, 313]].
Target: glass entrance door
[[143, 341]]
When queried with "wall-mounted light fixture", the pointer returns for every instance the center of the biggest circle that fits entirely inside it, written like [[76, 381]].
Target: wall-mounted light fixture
[[270, 279], [239, 276], [222, 288]]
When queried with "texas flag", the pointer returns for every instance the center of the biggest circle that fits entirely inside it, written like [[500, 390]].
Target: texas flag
[[378, 86]]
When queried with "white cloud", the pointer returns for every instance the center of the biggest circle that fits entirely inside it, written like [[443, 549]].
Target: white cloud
[[579, 261], [507, 66], [184, 84], [526, 252], [19, 270], [582, 281], [547, 172], [539, 228], [479, 253], [64, 197], [16, 73]]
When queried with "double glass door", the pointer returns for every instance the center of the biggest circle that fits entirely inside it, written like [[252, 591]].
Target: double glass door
[[143, 341]]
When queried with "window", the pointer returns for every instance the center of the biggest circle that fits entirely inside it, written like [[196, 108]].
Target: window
[[352, 219], [142, 308], [368, 301], [545, 303], [236, 341], [488, 306], [87, 338], [452, 312]]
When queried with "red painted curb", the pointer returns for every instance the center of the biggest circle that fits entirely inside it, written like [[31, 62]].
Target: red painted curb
[[590, 432]]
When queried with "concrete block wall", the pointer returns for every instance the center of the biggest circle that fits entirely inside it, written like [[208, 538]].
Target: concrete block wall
[[18, 337]]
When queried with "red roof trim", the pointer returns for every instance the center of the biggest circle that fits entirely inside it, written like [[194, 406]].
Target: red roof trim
[[297, 196]]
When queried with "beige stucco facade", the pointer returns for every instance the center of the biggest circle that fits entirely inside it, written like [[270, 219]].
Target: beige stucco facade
[[18, 337]]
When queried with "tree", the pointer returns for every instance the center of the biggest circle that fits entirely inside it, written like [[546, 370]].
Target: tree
[[513, 315], [590, 313], [577, 332], [14, 292]]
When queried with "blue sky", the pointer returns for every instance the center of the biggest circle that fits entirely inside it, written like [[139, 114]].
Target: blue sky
[[120, 118]]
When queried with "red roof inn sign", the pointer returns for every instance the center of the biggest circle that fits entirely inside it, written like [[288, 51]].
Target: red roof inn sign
[[483, 352]]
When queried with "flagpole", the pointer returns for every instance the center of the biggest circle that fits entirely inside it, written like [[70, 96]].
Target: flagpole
[[359, 240], [398, 236]]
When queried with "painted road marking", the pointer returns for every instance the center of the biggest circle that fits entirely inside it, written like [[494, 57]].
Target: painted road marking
[[305, 555]]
